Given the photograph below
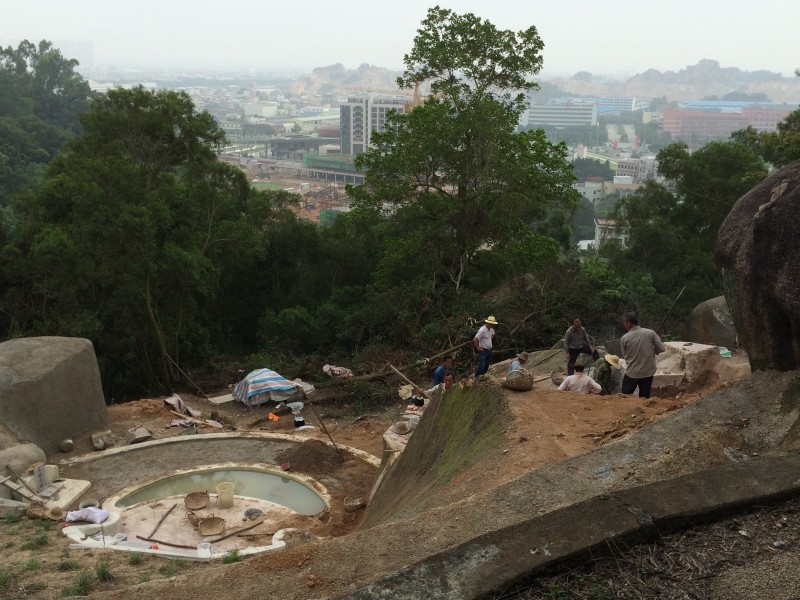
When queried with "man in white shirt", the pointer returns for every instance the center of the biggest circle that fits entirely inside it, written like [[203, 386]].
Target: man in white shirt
[[482, 342], [579, 381]]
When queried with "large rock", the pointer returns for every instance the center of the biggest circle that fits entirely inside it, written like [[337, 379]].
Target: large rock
[[757, 249], [50, 389], [711, 323]]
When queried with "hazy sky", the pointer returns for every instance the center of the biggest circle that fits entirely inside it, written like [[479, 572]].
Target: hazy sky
[[611, 36]]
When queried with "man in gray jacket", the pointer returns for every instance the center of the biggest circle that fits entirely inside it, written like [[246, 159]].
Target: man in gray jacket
[[576, 342], [639, 347]]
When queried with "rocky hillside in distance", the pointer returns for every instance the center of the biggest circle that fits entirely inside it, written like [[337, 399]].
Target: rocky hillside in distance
[[336, 78], [695, 82]]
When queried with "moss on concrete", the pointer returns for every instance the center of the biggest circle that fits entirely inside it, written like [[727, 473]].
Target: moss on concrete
[[454, 434]]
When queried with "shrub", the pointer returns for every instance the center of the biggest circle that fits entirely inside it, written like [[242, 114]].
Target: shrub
[[231, 557]]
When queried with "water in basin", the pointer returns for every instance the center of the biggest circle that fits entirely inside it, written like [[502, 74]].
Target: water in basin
[[285, 491]]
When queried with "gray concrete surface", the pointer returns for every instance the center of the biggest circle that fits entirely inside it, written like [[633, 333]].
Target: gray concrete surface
[[499, 559]]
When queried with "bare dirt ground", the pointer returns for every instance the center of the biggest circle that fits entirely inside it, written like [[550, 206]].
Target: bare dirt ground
[[547, 426]]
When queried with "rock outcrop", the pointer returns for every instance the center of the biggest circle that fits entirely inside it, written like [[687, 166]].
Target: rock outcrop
[[757, 249], [50, 390], [711, 323]]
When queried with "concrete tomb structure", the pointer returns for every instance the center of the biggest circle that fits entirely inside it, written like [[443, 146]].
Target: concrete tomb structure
[[50, 390]]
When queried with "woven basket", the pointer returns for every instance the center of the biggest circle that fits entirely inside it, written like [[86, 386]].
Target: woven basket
[[211, 526], [196, 500], [522, 380]]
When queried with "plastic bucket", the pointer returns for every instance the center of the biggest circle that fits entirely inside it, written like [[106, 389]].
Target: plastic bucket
[[225, 494]]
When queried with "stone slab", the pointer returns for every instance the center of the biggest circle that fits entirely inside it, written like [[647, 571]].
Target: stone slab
[[499, 558], [715, 491], [221, 399]]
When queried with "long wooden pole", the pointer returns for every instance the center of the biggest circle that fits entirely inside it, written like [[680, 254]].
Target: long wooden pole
[[407, 380], [325, 429], [674, 302], [161, 520]]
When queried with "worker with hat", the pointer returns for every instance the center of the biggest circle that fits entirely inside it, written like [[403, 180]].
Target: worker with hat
[[517, 365], [580, 381], [605, 373], [482, 342]]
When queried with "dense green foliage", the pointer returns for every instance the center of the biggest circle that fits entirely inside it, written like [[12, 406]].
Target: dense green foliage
[[672, 233], [41, 98], [124, 228], [778, 148]]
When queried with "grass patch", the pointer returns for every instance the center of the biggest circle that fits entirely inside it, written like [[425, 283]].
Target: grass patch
[[5, 578], [68, 565], [144, 578], [135, 559], [38, 541], [33, 564], [172, 567], [103, 572], [231, 557], [11, 517], [80, 587]]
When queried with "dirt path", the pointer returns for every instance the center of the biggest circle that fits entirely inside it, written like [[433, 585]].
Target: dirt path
[[547, 426]]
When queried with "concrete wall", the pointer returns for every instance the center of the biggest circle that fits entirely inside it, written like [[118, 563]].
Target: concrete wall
[[453, 434], [50, 389]]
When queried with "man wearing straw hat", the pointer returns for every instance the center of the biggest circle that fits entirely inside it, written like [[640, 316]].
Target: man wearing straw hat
[[604, 374], [482, 342]]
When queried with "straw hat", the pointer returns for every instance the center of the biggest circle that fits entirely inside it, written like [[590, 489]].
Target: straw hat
[[401, 427], [613, 359], [490, 320], [54, 513], [523, 356], [195, 500]]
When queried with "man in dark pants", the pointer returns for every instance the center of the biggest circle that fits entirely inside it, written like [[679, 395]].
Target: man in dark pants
[[482, 342], [576, 342], [639, 347]]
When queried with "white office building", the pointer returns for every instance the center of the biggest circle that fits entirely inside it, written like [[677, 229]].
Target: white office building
[[362, 115]]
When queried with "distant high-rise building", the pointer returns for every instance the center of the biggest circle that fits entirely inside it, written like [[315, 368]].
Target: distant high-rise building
[[360, 116]]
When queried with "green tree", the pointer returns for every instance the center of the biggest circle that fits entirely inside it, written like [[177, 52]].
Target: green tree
[[779, 147], [128, 241], [457, 177], [671, 235], [41, 98]]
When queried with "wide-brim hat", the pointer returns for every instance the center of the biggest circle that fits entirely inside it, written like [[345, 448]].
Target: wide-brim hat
[[613, 359], [54, 513], [491, 320], [523, 356]]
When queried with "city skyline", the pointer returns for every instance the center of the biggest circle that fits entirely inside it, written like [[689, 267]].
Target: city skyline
[[619, 37]]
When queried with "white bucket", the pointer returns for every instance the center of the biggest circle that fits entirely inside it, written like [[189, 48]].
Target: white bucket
[[225, 494]]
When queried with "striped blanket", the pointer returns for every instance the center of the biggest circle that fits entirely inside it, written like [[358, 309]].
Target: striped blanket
[[264, 385]]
